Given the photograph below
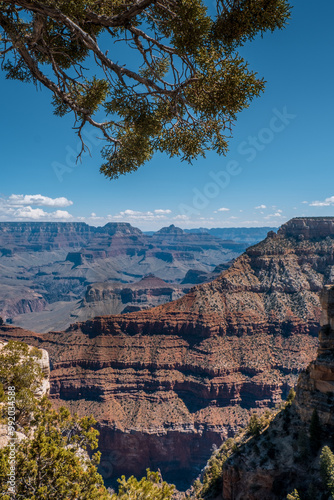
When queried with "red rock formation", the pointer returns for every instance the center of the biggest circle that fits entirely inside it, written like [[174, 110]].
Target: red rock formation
[[163, 400], [168, 383]]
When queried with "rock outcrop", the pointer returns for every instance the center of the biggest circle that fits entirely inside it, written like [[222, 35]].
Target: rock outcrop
[[42, 389], [29, 302], [118, 298], [316, 385], [285, 456]]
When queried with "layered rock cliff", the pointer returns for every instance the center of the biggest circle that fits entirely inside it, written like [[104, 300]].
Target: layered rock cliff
[[116, 298], [285, 455], [169, 383], [316, 385]]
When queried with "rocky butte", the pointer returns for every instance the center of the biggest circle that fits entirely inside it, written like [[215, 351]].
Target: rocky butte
[[169, 383]]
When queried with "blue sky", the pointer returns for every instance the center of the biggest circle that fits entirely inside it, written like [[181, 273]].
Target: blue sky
[[279, 165]]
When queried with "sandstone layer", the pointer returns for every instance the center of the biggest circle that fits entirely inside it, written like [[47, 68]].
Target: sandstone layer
[[169, 383]]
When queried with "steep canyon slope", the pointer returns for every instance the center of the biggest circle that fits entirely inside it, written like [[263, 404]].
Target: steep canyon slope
[[169, 383], [285, 456]]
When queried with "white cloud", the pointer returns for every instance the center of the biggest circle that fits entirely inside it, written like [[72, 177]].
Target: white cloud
[[14, 208], [37, 214], [260, 207], [305, 202], [17, 200], [60, 214], [326, 203], [130, 212], [181, 217], [30, 213], [223, 209], [129, 215], [276, 214], [162, 212]]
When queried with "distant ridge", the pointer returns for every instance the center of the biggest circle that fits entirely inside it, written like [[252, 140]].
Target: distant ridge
[[250, 234], [46, 267]]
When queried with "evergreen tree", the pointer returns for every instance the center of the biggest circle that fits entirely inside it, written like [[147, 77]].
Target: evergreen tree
[[52, 463], [255, 425], [150, 487], [291, 395], [315, 432], [327, 469], [179, 95], [19, 368]]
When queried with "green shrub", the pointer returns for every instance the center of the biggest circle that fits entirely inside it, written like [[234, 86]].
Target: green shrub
[[51, 464], [19, 368], [293, 496], [291, 396], [255, 425], [150, 487], [327, 469]]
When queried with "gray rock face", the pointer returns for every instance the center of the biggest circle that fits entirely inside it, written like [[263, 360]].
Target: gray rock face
[[316, 384], [102, 299], [308, 227]]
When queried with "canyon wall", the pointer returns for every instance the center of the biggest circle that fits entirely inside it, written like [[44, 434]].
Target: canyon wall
[[286, 456], [169, 383]]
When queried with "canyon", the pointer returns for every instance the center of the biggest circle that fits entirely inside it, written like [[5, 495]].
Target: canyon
[[170, 383], [47, 270]]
